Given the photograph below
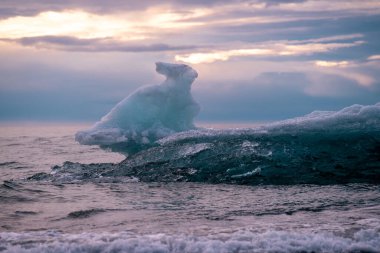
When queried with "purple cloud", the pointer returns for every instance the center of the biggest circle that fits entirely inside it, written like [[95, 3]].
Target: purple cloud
[[67, 43]]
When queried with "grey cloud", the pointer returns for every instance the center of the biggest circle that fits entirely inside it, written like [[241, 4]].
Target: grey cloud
[[276, 2], [58, 40], [68, 43], [307, 30], [332, 85], [15, 11], [28, 8]]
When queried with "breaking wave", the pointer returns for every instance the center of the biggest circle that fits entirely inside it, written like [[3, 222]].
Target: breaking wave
[[240, 241]]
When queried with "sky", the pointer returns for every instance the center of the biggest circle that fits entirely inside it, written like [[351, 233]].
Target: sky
[[258, 60]]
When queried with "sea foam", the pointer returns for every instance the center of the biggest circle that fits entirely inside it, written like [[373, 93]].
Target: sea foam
[[241, 241], [150, 113]]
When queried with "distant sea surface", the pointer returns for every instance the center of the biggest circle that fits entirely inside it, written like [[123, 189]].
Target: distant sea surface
[[135, 216]]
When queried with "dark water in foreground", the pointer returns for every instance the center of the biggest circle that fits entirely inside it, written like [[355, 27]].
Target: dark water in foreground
[[103, 213]]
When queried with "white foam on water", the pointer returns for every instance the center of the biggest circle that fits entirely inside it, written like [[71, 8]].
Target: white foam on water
[[241, 241]]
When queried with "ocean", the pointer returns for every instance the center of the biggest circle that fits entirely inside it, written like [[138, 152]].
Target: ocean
[[287, 189]]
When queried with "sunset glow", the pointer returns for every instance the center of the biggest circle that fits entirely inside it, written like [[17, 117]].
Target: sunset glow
[[331, 63], [275, 49], [69, 23], [86, 25]]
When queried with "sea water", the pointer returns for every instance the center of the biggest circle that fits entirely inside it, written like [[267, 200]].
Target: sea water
[[110, 214]]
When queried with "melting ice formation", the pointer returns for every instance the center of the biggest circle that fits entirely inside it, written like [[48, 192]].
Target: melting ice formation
[[167, 110], [148, 114], [154, 126], [319, 148]]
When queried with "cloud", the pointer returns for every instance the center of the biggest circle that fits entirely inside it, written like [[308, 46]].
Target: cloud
[[271, 48], [80, 24], [277, 2], [11, 8], [374, 57], [76, 30], [329, 64], [196, 58], [67, 43], [338, 85], [348, 6], [336, 38], [30, 8], [174, 22], [69, 23], [354, 71]]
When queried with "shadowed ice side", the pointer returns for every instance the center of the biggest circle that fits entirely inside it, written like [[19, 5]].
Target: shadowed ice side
[[148, 114]]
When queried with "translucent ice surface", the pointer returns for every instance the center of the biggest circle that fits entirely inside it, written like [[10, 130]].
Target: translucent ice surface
[[150, 113]]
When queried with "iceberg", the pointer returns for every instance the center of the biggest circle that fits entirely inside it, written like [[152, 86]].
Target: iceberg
[[148, 114], [323, 147]]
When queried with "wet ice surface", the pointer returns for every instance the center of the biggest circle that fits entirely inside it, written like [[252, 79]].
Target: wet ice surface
[[149, 113]]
